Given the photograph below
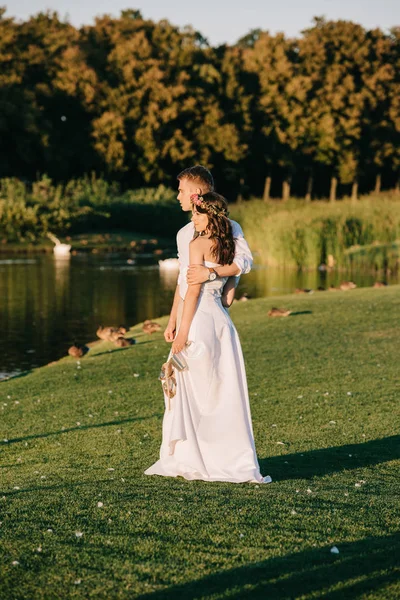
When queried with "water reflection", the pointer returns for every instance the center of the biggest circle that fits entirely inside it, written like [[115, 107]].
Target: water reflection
[[47, 303]]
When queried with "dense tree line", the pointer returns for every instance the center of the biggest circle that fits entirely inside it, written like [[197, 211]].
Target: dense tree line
[[136, 101]]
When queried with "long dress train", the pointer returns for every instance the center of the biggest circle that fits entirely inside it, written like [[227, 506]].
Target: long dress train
[[208, 433]]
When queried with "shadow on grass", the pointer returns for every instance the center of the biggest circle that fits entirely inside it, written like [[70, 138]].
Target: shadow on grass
[[300, 312], [317, 463], [17, 376], [35, 436], [116, 349], [361, 568]]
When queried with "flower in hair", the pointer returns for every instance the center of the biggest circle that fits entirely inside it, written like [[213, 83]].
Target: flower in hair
[[196, 199]]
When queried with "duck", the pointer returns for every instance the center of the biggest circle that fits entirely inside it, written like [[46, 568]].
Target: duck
[[77, 351], [104, 332], [110, 334], [122, 342], [244, 297], [347, 285], [279, 312], [151, 327]]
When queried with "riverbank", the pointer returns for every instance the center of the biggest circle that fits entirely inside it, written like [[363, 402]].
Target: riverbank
[[114, 241], [79, 518]]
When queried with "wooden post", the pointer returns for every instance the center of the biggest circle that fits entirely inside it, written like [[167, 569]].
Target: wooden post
[[332, 193], [239, 199], [354, 191], [378, 182], [286, 190], [309, 188], [267, 188]]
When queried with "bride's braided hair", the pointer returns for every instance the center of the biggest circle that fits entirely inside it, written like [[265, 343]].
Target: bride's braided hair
[[219, 226]]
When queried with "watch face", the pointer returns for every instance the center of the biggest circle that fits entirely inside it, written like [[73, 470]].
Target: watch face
[[213, 276]]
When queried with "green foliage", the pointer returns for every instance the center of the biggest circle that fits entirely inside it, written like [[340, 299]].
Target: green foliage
[[27, 213], [323, 387], [138, 100]]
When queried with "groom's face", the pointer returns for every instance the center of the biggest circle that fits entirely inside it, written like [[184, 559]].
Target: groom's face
[[185, 190]]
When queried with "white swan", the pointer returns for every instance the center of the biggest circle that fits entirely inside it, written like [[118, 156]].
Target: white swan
[[169, 263], [59, 248]]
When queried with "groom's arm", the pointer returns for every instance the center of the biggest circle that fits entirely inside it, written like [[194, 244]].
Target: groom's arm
[[241, 265]]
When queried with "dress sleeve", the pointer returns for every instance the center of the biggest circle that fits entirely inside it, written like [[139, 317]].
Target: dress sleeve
[[243, 256]]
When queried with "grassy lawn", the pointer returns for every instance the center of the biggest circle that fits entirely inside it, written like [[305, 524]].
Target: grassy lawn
[[80, 520]]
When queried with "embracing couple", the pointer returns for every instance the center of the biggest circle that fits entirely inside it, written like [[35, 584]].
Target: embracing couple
[[207, 431]]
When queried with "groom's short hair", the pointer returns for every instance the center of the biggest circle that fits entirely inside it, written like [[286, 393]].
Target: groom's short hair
[[198, 174]]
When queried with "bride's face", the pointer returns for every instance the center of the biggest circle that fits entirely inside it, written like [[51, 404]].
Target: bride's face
[[200, 221]]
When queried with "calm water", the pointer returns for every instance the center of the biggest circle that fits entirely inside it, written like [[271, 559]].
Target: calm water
[[46, 304]]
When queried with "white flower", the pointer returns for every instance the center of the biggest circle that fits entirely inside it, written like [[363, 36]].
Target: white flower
[[39, 549], [293, 512], [16, 402], [16, 487], [100, 505], [241, 535], [110, 469], [15, 562], [357, 484], [78, 534], [5, 440], [299, 397], [78, 423], [136, 374], [77, 581], [49, 531], [349, 393], [110, 391], [43, 477], [309, 491], [332, 422]]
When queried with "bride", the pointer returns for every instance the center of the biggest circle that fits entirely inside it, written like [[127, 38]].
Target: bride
[[207, 430]]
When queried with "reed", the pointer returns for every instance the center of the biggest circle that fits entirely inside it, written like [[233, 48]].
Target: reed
[[305, 235]]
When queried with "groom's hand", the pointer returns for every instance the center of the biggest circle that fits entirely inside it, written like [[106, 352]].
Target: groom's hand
[[197, 274]]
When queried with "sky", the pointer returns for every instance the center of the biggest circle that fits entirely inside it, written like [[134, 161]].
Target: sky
[[223, 21]]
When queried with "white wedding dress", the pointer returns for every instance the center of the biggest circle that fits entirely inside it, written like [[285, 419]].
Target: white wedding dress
[[207, 434]]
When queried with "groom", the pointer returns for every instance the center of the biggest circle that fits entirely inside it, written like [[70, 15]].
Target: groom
[[198, 180]]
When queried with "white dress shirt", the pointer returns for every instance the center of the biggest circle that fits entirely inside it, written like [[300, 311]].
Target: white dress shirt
[[243, 257]]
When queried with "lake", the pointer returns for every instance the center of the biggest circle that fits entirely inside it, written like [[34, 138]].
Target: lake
[[46, 304]]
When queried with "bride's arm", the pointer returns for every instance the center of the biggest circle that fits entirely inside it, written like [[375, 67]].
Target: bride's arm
[[196, 252]]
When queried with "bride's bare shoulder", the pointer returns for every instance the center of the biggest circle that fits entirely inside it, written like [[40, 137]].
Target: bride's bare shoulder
[[200, 246]]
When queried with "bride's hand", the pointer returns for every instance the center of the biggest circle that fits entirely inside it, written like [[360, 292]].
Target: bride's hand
[[179, 343], [169, 332]]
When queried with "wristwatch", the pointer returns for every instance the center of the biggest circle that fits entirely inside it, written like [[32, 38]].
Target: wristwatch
[[212, 275]]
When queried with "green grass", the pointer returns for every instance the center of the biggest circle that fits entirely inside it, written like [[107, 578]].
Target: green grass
[[324, 386]]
